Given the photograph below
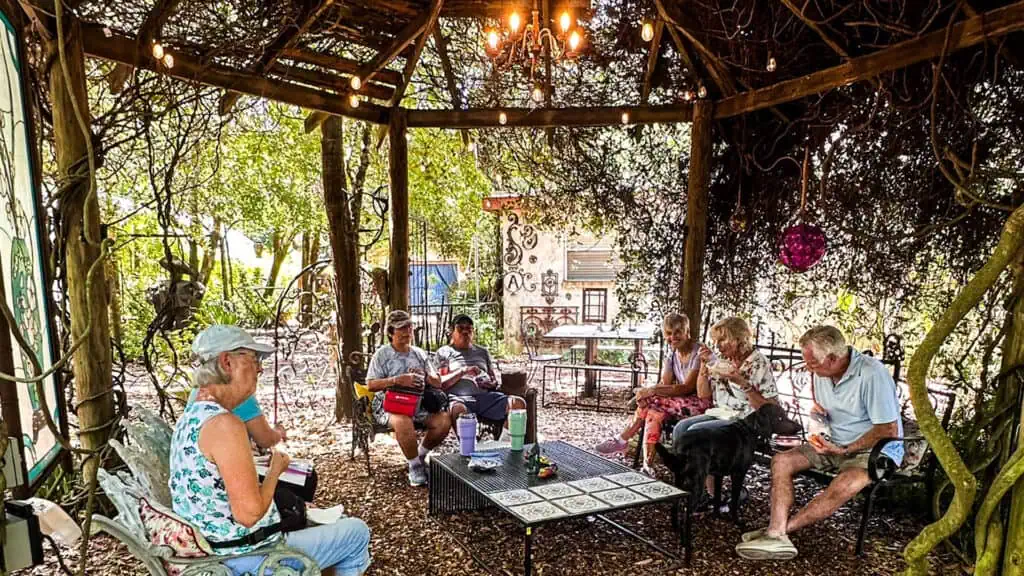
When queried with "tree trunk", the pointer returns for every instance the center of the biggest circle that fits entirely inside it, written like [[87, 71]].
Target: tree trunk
[[280, 244], [80, 213], [343, 227], [225, 277], [1013, 358], [696, 214], [210, 254], [964, 482], [112, 271], [398, 157], [307, 283]]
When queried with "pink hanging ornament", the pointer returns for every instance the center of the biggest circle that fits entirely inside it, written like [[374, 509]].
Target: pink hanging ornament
[[802, 245]]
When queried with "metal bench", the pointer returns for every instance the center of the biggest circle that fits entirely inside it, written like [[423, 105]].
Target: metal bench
[[147, 456]]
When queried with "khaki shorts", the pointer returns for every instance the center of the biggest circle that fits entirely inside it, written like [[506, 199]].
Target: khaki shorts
[[833, 462]]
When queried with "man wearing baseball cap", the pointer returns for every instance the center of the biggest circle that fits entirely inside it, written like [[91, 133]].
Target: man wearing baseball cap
[[219, 338], [399, 364], [469, 378]]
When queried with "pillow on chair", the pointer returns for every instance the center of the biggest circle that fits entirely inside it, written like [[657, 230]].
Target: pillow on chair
[[166, 529]]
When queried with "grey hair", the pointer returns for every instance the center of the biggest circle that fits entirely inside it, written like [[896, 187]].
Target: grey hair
[[209, 372], [823, 341]]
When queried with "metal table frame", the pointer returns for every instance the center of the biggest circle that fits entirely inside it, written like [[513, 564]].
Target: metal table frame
[[453, 489]]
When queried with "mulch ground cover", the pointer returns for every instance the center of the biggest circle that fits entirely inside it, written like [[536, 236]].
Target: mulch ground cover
[[406, 541]]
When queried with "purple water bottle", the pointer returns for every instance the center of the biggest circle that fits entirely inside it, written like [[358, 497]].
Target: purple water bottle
[[467, 434]]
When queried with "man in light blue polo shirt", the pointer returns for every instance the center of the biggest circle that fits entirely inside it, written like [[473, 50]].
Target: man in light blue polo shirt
[[857, 395], [220, 337]]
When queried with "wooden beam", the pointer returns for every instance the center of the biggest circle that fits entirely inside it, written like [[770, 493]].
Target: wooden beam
[[449, 75], [398, 263], [652, 60], [696, 212], [684, 53], [330, 81], [284, 39], [549, 117], [404, 38], [998, 22], [338, 63], [120, 48]]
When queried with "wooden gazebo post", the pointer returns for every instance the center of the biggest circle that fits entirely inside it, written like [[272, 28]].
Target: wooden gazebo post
[[80, 213], [696, 214], [398, 157]]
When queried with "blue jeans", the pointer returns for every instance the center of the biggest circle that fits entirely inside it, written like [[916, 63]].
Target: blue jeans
[[343, 545], [696, 423]]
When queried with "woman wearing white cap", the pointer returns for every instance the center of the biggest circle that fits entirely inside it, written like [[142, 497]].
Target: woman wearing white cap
[[213, 479]]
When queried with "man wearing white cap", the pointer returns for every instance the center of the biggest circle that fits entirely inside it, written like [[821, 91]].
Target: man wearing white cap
[[399, 364], [224, 338]]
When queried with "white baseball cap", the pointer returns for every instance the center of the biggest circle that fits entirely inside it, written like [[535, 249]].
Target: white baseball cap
[[225, 338]]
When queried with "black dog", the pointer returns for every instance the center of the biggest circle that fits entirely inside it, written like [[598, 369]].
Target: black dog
[[723, 451]]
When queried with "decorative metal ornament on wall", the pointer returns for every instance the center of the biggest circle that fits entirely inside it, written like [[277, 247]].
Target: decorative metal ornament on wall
[[516, 278], [549, 286]]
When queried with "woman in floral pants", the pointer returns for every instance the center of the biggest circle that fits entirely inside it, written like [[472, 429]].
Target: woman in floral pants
[[676, 396]]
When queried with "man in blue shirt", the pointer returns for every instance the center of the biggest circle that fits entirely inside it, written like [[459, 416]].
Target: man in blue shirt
[[857, 396], [219, 337]]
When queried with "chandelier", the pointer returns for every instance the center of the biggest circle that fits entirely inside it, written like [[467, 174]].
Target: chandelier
[[516, 43]]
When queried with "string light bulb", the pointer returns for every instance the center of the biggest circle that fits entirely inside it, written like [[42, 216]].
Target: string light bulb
[[353, 100], [702, 91], [158, 50], [514, 21], [537, 93], [502, 118], [625, 117], [565, 21], [647, 31], [355, 82], [574, 40], [168, 61], [771, 63], [493, 40], [688, 95]]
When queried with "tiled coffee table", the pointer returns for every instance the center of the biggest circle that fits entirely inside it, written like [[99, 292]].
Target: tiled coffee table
[[586, 485]]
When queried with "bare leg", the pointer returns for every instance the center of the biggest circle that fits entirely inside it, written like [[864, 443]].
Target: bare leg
[[438, 425], [633, 428], [405, 433], [784, 467], [456, 409], [846, 485]]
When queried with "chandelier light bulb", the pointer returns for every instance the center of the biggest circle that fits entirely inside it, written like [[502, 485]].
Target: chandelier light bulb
[[771, 64], [353, 100], [355, 82], [647, 32], [702, 91], [514, 21], [537, 93], [493, 40], [502, 118], [575, 40], [565, 21], [158, 51], [625, 117], [168, 61]]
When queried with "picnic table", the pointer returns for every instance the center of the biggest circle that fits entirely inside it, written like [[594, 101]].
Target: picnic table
[[591, 334]]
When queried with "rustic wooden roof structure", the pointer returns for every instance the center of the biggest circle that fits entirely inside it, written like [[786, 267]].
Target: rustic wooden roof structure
[[303, 52]]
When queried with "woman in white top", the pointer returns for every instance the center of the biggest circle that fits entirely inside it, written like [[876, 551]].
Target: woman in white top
[[675, 396]]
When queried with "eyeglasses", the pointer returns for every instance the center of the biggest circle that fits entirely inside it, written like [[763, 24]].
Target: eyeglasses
[[256, 357]]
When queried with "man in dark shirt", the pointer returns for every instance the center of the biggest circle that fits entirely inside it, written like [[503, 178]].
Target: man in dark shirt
[[468, 377]]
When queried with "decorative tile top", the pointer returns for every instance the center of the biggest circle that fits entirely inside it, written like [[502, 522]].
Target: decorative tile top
[[655, 490], [537, 512], [629, 478], [552, 491], [580, 504], [514, 497], [620, 496], [589, 485]]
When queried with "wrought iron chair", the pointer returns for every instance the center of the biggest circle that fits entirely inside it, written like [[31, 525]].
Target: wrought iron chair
[[531, 337]]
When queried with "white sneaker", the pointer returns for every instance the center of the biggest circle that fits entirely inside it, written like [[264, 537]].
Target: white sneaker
[[647, 470], [767, 548], [505, 436], [417, 475]]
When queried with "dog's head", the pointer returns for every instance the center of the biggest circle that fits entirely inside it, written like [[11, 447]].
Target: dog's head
[[771, 419], [671, 460]]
